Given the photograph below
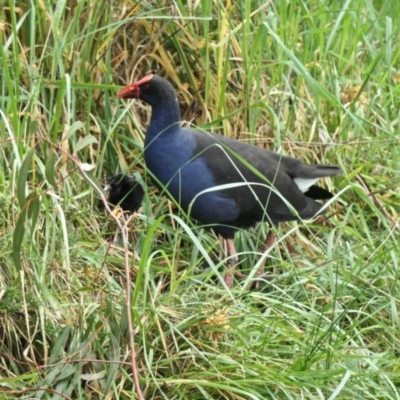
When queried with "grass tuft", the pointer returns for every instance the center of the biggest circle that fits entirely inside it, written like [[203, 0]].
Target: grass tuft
[[313, 79]]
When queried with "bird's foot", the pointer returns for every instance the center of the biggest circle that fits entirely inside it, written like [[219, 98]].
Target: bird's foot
[[258, 277], [254, 284], [231, 271]]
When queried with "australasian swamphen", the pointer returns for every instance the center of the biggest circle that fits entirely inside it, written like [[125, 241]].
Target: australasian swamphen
[[219, 181], [125, 191]]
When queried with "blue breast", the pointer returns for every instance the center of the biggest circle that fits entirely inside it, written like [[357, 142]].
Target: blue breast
[[170, 158]]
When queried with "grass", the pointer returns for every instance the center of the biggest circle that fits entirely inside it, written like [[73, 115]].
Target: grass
[[314, 79]]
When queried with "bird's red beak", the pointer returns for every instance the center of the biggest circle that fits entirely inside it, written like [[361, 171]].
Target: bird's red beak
[[129, 92], [132, 91]]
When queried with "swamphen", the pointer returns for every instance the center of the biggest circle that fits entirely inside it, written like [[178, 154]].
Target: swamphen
[[219, 181], [125, 191]]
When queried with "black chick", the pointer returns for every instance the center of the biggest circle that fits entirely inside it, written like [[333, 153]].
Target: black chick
[[125, 191]]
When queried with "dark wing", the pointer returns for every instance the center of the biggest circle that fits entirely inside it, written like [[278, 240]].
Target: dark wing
[[271, 175]]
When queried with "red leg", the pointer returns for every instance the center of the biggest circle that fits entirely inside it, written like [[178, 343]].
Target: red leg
[[269, 241], [228, 278]]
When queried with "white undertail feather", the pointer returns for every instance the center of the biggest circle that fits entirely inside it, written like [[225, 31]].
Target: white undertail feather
[[304, 183]]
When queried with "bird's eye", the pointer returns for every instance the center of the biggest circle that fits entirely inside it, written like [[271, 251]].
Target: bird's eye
[[146, 86]]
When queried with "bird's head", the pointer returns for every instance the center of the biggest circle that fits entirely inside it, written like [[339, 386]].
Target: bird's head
[[115, 183], [152, 89]]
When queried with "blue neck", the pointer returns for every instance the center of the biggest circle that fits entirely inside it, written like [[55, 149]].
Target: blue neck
[[165, 120]]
